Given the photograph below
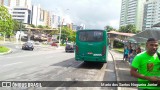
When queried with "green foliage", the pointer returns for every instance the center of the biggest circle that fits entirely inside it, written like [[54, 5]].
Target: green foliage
[[122, 29], [40, 26], [120, 50], [47, 27], [118, 44], [53, 32], [67, 33], [3, 49], [33, 26], [6, 21], [16, 25], [128, 29], [109, 28]]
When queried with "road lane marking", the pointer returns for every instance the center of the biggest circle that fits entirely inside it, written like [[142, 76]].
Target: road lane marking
[[11, 64]]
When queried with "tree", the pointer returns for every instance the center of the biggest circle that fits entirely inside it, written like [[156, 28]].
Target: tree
[[131, 28], [33, 26], [16, 25], [6, 21], [67, 33], [73, 36], [128, 29], [53, 32], [108, 28], [40, 26], [47, 27], [122, 29]]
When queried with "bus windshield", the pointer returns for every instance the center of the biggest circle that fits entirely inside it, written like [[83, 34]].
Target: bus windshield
[[91, 36]]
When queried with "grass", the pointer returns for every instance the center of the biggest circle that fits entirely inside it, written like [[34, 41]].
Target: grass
[[121, 50], [3, 49], [12, 39]]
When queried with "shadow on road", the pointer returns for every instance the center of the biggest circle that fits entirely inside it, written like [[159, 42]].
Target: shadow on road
[[91, 65], [79, 64]]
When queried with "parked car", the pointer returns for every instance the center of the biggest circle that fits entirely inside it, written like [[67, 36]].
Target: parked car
[[27, 46], [69, 47], [31, 41], [54, 44]]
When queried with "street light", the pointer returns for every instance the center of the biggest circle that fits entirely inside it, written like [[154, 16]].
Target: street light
[[60, 27], [60, 32], [20, 31]]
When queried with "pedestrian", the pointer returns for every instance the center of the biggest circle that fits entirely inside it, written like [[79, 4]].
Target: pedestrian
[[138, 50], [130, 52], [131, 56], [146, 66], [126, 53]]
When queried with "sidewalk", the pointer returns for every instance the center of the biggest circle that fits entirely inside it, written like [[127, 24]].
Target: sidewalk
[[13, 42], [123, 70]]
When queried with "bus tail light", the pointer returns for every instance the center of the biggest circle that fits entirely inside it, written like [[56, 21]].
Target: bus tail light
[[104, 51], [77, 49]]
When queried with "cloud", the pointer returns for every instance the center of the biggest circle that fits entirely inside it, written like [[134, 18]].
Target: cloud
[[92, 13], [114, 23]]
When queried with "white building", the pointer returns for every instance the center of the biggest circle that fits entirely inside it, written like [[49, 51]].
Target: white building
[[55, 20], [132, 13], [151, 14], [20, 3], [37, 15], [19, 9], [21, 14]]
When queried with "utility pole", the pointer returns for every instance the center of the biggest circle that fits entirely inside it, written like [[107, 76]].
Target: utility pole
[[20, 31], [61, 24], [60, 28]]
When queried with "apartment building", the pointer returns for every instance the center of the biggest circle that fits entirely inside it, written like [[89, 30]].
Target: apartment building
[[56, 20], [47, 18], [1, 2], [151, 14], [40, 16], [22, 14], [4, 2], [15, 3], [20, 3], [21, 10], [132, 13]]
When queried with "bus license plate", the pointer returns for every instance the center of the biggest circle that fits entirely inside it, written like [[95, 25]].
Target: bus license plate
[[97, 54], [90, 53]]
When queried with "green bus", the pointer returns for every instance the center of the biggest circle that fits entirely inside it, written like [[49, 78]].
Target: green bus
[[91, 45]]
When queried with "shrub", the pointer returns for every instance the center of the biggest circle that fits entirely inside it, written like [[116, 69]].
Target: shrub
[[3, 49], [118, 44]]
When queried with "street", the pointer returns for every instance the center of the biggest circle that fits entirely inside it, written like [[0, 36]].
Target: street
[[54, 64]]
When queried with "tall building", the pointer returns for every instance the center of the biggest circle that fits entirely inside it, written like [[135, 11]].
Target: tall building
[[22, 14], [19, 9], [1, 2], [40, 16], [47, 18], [132, 13], [19, 3], [151, 13], [56, 20], [4, 2]]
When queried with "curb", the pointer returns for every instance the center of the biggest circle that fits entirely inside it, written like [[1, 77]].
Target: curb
[[117, 76], [10, 51]]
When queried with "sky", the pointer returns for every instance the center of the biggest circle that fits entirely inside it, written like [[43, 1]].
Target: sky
[[94, 14]]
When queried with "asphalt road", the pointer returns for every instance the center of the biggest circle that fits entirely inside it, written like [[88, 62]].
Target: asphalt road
[[52, 64], [46, 63]]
